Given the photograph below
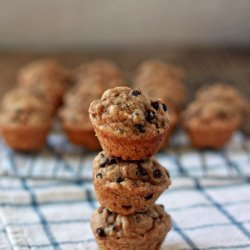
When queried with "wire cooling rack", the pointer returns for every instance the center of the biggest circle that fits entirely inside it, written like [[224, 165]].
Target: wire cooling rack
[[62, 161]]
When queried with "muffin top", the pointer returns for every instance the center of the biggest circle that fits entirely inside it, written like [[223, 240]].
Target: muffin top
[[101, 67], [226, 93], [19, 109], [208, 114], [153, 67], [131, 174], [126, 112], [43, 70], [107, 224]]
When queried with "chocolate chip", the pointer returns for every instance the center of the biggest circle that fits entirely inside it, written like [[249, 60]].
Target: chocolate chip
[[140, 128], [103, 162], [162, 206], [155, 105], [141, 171], [157, 173], [148, 197], [136, 92], [112, 161], [127, 207], [119, 180], [99, 176], [151, 116], [164, 106], [100, 232]]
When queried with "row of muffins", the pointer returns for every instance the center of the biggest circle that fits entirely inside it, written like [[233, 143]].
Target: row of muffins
[[127, 179], [42, 87]]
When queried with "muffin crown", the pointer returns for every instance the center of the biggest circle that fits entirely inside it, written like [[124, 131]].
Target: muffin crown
[[126, 112], [143, 172], [111, 224]]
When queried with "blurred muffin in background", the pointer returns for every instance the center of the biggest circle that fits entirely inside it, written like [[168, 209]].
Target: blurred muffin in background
[[165, 81], [25, 120], [92, 79], [210, 124]]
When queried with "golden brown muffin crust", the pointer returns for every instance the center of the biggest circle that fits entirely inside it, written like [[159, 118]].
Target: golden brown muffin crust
[[126, 112]]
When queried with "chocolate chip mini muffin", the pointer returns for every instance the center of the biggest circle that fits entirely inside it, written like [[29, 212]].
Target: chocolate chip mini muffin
[[25, 122], [128, 123], [142, 231], [126, 187], [75, 119], [210, 124], [228, 94]]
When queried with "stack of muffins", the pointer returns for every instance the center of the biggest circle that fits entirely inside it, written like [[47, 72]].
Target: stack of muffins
[[127, 180], [91, 80], [165, 81], [216, 113], [27, 110]]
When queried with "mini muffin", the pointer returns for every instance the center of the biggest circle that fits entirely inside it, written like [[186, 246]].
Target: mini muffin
[[210, 124], [25, 122], [75, 119], [128, 123], [228, 94], [126, 187], [142, 231]]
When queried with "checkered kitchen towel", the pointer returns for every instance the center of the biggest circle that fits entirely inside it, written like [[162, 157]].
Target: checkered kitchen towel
[[208, 213]]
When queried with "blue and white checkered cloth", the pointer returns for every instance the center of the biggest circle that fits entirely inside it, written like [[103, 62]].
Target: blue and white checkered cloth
[[209, 199]]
